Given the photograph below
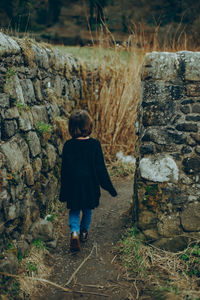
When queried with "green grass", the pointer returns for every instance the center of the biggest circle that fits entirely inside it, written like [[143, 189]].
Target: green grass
[[95, 55]]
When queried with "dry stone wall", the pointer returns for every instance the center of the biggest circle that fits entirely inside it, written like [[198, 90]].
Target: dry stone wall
[[39, 87], [167, 181]]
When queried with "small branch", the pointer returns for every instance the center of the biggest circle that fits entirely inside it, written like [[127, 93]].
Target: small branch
[[80, 266]]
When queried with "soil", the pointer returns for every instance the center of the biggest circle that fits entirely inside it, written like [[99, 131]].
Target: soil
[[99, 275]]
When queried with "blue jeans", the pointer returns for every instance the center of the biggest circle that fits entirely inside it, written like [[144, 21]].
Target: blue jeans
[[74, 220]]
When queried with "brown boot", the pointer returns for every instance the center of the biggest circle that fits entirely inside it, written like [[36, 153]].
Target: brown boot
[[74, 242]]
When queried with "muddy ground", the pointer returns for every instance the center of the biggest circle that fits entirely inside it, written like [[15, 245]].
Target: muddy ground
[[100, 275]]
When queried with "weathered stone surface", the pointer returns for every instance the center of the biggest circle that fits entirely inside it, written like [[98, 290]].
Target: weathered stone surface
[[191, 165], [187, 127], [40, 56], [147, 219], [25, 120], [197, 150], [11, 113], [151, 234], [190, 217], [51, 155], [147, 149], [28, 91], [155, 135], [8, 45], [37, 90], [169, 226], [42, 229], [159, 168], [9, 264], [28, 171], [196, 137], [160, 66], [16, 152], [177, 137], [37, 166], [193, 90], [9, 128], [185, 109], [173, 244], [14, 89], [4, 100], [34, 143], [39, 114], [192, 65], [193, 118], [196, 108]]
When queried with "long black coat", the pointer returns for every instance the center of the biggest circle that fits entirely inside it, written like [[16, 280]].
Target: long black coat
[[83, 172]]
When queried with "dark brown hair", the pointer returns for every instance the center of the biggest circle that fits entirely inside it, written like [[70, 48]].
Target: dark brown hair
[[80, 124]]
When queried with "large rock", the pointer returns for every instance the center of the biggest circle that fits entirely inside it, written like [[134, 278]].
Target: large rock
[[34, 143], [8, 45], [190, 217], [17, 152], [160, 168], [146, 220], [169, 226]]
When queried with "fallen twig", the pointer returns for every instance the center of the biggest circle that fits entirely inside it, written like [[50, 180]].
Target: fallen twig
[[80, 266]]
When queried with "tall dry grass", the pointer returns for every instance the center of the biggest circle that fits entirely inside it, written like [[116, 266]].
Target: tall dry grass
[[113, 91]]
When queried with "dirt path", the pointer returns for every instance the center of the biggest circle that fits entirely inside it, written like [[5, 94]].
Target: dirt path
[[100, 275]]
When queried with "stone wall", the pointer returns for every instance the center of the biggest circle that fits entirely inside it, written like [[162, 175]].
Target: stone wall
[[39, 87], [167, 181]]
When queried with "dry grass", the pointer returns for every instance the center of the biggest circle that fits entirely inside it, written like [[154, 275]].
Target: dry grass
[[160, 271], [34, 266]]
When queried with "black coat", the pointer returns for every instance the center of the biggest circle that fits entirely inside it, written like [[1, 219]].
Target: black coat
[[83, 172]]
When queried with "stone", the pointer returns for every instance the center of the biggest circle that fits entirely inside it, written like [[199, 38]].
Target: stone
[[9, 128], [17, 153], [169, 226], [11, 113], [39, 113], [8, 45], [193, 90], [28, 91], [147, 149], [52, 244], [159, 168], [58, 86], [146, 219], [160, 66], [51, 155], [187, 127], [196, 137], [37, 89], [151, 235], [25, 120], [155, 135], [173, 244], [186, 150], [185, 109], [197, 150], [190, 217], [37, 166], [22, 246], [12, 212], [193, 118], [4, 197], [40, 56], [196, 108], [188, 101], [177, 137], [42, 229], [14, 89], [9, 264], [28, 171], [34, 143], [4, 100], [192, 65], [191, 165]]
